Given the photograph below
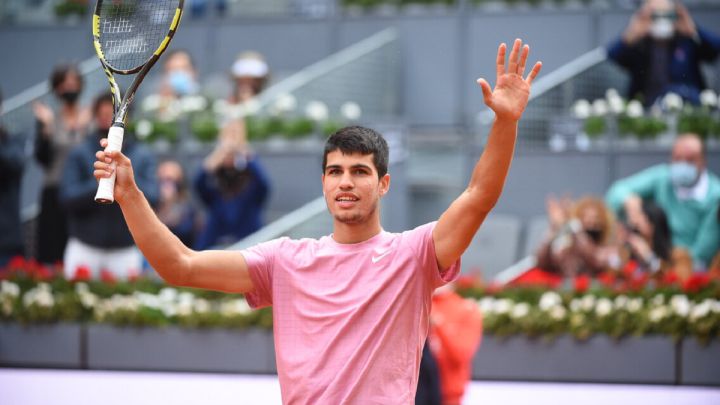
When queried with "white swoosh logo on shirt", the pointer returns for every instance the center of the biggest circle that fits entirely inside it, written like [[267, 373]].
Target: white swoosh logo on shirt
[[376, 259]]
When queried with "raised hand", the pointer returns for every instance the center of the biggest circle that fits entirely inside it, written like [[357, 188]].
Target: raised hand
[[510, 96], [684, 24]]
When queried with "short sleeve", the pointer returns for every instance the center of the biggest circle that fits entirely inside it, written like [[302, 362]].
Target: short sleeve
[[421, 241], [260, 259]]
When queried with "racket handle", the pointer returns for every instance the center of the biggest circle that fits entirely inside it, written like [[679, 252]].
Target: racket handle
[[105, 192]]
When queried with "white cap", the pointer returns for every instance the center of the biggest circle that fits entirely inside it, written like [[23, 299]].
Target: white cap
[[246, 67]]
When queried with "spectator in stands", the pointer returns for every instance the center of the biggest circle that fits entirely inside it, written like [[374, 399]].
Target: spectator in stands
[[662, 49], [579, 241], [250, 75], [179, 80], [455, 335], [99, 238], [12, 161], [176, 209], [711, 229], [647, 239], [233, 186], [684, 189], [58, 131]]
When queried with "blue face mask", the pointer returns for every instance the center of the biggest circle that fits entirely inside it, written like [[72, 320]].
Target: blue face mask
[[182, 83], [683, 174]]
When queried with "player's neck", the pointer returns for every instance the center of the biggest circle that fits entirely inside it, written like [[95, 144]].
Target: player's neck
[[355, 233]]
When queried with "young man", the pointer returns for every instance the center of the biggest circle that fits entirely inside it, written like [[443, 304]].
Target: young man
[[351, 309]]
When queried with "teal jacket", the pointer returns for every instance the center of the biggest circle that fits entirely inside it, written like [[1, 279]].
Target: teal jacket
[[694, 224]]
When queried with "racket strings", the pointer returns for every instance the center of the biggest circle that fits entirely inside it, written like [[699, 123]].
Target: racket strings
[[132, 30]]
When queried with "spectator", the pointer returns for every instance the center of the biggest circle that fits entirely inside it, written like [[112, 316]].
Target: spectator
[[233, 186], [684, 189], [455, 335], [179, 80], [647, 239], [579, 241], [58, 131], [99, 239], [176, 209], [662, 49], [250, 75], [11, 167], [711, 229]]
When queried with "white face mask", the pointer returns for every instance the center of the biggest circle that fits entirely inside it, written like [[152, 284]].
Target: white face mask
[[662, 28]]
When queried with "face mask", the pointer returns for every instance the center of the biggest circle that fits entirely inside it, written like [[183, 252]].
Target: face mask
[[182, 83], [683, 174], [662, 28], [594, 234], [70, 97]]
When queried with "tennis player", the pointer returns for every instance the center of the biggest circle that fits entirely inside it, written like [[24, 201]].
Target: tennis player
[[350, 310]]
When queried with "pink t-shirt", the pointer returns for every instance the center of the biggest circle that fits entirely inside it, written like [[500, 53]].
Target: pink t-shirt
[[350, 320]]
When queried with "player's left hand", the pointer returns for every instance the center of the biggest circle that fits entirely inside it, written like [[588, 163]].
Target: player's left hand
[[510, 96]]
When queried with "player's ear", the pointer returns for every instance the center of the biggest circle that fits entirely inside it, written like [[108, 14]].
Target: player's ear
[[384, 184]]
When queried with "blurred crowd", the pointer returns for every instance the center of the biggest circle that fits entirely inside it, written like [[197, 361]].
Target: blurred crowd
[[211, 204]]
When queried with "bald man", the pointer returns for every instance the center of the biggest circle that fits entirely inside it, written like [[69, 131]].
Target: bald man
[[662, 50], [685, 189]]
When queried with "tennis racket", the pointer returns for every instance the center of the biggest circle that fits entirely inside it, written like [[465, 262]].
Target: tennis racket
[[129, 37]]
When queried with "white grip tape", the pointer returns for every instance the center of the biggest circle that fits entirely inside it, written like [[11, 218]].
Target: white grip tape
[[107, 184]]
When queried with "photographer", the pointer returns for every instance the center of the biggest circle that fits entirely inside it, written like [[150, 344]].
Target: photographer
[[234, 188]]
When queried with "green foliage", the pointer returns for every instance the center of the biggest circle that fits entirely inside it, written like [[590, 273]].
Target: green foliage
[[595, 126], [204, 127]]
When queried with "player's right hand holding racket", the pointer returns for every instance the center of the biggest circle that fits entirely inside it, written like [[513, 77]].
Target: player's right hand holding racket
[[114, 162]]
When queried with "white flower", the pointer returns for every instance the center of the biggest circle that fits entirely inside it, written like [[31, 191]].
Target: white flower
[[558, 312], [680, 305], [41, 296], [616, 104], [612, 93], [151, 103], [251, 107], [9, 289], [220, 107], [657, 314], [708, 98], [588, 302], [635, 109], [351, 111], [201, 306], [715, 306], [549, 300], [486, 304], [635, 305], [603, 307], [193, 103], [582, 109], [285, 103], [700, 310], [600, 107], [235, 307], [186, 298], [168, 294], [672, 102], [621, 302], [576, 305], [520, 310], [658, 300], [502, 306], [317, 111], [143, 129]]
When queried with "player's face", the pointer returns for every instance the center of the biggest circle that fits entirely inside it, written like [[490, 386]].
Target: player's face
[[352, 188]]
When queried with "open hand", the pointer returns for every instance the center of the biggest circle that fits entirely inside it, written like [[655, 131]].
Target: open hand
[[684, 25], [510, 96]]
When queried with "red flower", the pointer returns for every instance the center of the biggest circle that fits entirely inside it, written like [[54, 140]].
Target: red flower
[[82, 273], [582, 283], [696, 282], [107, 276], [17, 263], [466, 282], [537, 277], [669, 278]]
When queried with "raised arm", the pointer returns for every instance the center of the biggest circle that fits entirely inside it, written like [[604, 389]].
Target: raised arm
[[220, 270], [459, 223]]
